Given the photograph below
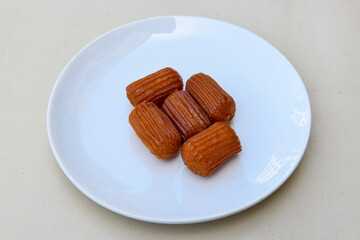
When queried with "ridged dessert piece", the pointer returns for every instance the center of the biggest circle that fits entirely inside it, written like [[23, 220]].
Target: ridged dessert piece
[[186, 114], [155, 130], [154, 87], [218, 104], [209, 149]]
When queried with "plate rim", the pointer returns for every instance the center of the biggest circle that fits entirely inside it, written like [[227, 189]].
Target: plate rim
[[125, 213]]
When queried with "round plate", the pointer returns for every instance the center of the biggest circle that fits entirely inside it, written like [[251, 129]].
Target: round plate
[[99, 152]]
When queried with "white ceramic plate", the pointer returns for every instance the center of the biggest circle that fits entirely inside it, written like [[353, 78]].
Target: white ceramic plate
[[99, 152]]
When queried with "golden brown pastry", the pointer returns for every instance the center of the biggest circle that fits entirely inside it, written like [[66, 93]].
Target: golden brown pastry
[[218, 104], [209, 149], [186, 114], [154, 87], [155, 130]]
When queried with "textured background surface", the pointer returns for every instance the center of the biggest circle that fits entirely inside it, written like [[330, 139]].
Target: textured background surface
[[320, 201]]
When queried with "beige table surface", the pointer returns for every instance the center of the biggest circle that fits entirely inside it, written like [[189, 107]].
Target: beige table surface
[[321, 200]]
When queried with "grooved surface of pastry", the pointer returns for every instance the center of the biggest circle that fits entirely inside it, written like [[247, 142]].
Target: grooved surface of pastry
[[209, 149], [155, 130], [218, 104], [154, 87], [186, 114]]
